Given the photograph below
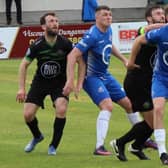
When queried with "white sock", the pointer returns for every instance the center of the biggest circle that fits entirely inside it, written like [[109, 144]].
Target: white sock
[[102, 126], [134, 117], [160, 138]]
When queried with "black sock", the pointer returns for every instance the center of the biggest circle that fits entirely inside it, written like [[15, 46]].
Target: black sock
[[136, 130], [59, 124], [33, 126], [144, 133]]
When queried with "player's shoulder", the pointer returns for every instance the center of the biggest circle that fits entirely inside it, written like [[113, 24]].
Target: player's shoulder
[[63, 39], [165, 27], [37, 42], [64, 42], [93, 31]]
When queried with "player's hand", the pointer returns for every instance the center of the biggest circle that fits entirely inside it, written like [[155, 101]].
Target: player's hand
[[68, 88], [131, 66], [77, 91], [21, 96]]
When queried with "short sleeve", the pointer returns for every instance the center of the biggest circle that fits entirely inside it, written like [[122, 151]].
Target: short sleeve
[[86, 42], [153, 36]]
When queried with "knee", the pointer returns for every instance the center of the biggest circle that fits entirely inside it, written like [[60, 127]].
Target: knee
[[61, 111], [158, 112], [28, 116], [109, 107], [128, 106], [106, 105]]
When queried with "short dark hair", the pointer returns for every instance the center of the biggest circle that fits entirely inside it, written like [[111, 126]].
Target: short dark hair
[[42, 19], [166, 9], [150, 8], [102, 7]]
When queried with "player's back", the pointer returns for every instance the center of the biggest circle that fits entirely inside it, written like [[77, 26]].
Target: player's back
[[160, 37]]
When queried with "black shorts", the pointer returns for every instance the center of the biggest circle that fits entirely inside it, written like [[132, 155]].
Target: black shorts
[[138, 90], [40, 88]]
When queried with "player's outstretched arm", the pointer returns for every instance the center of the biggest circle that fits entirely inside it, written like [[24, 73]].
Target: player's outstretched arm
[[139, 41], [153, 26], [120, 56], [73, 57], [21, 94], [80, 76]]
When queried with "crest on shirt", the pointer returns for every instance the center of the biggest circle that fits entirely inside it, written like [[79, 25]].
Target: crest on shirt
[[165, 58], [50, 69], [153, 59], [106, 53]]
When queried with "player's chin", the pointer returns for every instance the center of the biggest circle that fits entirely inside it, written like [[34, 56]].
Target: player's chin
[[54, 31], [108, 23]]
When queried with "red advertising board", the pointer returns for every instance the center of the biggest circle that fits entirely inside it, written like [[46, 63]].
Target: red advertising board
[[27, 35], [16, 40], [125, 35]]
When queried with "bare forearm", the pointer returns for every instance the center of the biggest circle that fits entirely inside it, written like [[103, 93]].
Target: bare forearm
[[117, 54], [153, 26], [73, 58], [81, 72], [22, 77], [71, 62], [71, 68], [22, 73], [139, 41], [21, 94]]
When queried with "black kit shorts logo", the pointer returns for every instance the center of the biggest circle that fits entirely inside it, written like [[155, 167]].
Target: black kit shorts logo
[[50, 69]]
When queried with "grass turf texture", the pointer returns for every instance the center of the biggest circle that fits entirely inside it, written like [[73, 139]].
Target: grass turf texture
[[78, 142]]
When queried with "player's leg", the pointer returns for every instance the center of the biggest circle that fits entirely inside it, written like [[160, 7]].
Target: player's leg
[[140, 96], [102, 126], [133, 91], [159, 95], [118, 145], [142, 132], [33, 101], [134, 133], [61, 105], [148, 130], [159, 130], [30, 110], [138, 132], [101, 98], [118, 95]]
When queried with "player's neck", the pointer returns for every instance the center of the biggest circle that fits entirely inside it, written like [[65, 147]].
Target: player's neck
[[51, 40], [102, 28]]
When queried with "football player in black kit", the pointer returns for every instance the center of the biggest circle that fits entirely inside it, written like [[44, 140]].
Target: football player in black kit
[[50, 51], [137, 85]]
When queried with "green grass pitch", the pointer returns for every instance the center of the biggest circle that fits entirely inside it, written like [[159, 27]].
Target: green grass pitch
[[78, 142]]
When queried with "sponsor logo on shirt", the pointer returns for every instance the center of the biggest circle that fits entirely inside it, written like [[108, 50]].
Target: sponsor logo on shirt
[[50, 69]]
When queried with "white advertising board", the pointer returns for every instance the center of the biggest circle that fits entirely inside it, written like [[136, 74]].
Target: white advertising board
[[7, 39], [124, 35]]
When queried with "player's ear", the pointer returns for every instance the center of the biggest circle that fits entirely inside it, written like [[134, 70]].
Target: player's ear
[[43, 27], [149, 19]]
